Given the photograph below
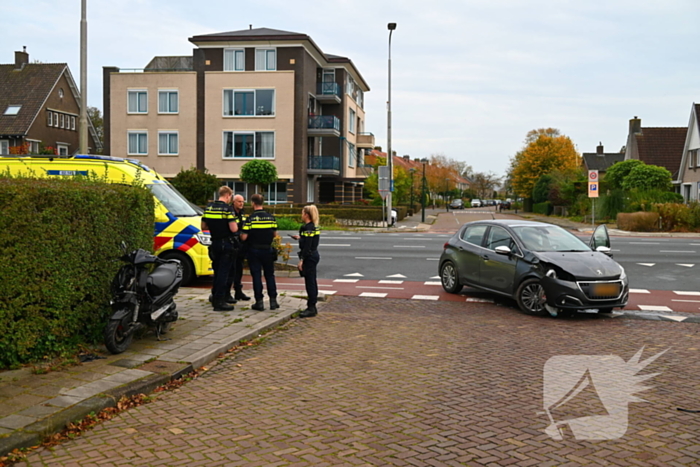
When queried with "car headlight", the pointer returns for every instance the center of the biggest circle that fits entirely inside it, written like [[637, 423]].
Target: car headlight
[[552, 273], [204, 238], [623, 274]]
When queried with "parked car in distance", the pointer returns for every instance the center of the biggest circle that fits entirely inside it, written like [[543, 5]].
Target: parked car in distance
[[476, 203], [457, 204], [505, 204], [545, 268]]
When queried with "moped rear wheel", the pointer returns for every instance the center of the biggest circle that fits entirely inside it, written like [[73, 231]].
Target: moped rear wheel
[[116, 338]]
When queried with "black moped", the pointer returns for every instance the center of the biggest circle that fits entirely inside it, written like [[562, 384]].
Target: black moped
[[142, 297]]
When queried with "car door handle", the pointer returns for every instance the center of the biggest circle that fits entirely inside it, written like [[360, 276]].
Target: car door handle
[[486, 257]]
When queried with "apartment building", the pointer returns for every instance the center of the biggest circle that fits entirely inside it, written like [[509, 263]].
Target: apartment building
[[246, 95]]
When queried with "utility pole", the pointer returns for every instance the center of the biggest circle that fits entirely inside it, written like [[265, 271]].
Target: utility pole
[[83, 80], [390, 156]]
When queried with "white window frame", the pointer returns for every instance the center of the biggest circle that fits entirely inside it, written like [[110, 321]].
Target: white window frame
[[697, 157], [169, 133], [63, 121], [129, 92], [55, 119], [4, 147], [72, 123], [272, 199], [352, 115], [168, 92], [352, 155], [136, 132], [62, 150], [49, 118], [266, 66], [34, 146], [255, 102], [233, 145], [231, 63]]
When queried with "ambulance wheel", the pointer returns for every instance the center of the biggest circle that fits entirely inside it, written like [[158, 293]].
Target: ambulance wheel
[[188, 274]]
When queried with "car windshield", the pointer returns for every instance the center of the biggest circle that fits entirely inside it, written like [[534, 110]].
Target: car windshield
[[173, 201], [549, 238]]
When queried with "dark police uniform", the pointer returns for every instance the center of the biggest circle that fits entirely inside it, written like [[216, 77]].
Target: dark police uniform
[[261, 228], [309, 237], [218, 215], [235, 280]]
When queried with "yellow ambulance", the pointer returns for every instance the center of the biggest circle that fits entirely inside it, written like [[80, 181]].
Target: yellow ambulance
[[177, 233]]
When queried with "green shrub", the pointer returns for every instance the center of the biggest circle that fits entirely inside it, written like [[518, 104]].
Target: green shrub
[[611, 204], [638, 221], [58, 240], [543, 208], [293, 221], [674, 216], [198, 187]]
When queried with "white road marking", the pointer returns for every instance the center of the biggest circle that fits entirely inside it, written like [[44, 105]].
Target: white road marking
[[654, 308], [409, 246], [644, 243], [328, 292], [354, 274], [334, 244], [425, 297], [373, 294], [676, 318], [686, 293], [639, 291], [646, 264], [433, 259], [349, 281], [432, 283], [390, 282], [435, 277], [325, 237], [685, 301], [685, 265], [371, 257], [676, 251], [372, 287], [479, 300], [398, 276]]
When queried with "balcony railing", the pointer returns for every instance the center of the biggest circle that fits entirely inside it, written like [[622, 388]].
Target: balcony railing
[[365, 140], [327, 89], [324, 122], [324, 163]]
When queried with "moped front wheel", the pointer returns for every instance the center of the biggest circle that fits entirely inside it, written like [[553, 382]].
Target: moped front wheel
[[117, 339]]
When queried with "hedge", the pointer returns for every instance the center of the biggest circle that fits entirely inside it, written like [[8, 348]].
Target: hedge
[[324, 220], [543, 208], [58, 242]]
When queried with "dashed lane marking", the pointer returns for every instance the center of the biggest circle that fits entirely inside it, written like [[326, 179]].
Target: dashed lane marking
[[397, 276], [373, 294], [390, 282], [354, 274], [373, 287], [696, 294], [349, 281], [479, 300], [685, 265], [639, 291], [409, 246], [371, 257], [646, 264], [334, 244], [432, 283], [425, 297], [676, 318], [654, 308]]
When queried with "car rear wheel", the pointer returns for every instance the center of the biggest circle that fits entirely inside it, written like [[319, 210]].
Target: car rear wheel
[[449, 278], [531, 298]]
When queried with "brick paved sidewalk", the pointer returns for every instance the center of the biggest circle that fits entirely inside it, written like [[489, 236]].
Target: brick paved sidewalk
[[393, 382], [35, 405]]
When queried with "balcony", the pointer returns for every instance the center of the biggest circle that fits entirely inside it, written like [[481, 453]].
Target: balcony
[[364, 170], [324, 125], [328, 93], [365, 140], [324, 165]]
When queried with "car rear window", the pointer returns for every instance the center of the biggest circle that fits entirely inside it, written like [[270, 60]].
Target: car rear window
[[474, 234]]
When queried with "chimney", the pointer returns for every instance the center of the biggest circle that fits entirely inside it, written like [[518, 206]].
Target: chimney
[[599, 149], [407, 158], [250, 26], [635, 125], [21, 58]]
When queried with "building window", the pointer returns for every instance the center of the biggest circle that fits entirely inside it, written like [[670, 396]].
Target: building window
[[360, 98], [167, 143], [349, 86], [72, 123], [55, 119], [12, 109], [351, 121], [352, 155], [62, 150], [258, 144], [234, 60], [138, 102], [49, 118], [60, 93], [138, 143], [259, 102], [33, 147], [239, 188], [265, 59], [4, 147], [63, 121], [276, 193], [697, 157], [167, 102]]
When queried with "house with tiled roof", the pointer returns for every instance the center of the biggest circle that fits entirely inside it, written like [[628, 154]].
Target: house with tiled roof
[[688, 179], [600, 160], [252, 94], [40, 108], [661, 146]]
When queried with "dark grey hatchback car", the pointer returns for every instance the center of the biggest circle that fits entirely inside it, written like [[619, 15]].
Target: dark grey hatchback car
[[545, 268]]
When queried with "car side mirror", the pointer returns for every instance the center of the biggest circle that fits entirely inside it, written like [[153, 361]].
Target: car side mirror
[[503, 250], [605, 250]]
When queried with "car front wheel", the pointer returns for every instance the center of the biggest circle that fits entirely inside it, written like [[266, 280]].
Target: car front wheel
[[449, 278], [531, 298]]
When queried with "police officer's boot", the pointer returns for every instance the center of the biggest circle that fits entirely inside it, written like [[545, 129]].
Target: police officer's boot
[[258, 306], [240, 295], [229, 298], [310, 312], [273, 304], [221, 305]]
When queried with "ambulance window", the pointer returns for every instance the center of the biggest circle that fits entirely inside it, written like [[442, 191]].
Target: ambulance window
[[173, 201]]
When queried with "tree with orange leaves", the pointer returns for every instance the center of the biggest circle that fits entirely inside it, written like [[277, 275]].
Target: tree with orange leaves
[[545, 151]]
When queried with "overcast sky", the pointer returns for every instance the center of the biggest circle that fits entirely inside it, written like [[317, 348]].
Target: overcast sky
[[469, 77]]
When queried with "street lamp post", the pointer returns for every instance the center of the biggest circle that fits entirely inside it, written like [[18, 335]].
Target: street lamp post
[[423, 200], [447, 207], [390, 156], [412, 170]]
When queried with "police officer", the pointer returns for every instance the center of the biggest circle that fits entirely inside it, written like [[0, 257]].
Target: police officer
[[258, 232], [309, 237], [219, 220], [236, 279]]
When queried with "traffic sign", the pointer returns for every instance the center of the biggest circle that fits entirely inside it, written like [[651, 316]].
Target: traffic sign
[[592, 189], [592, 175], [383, 176]]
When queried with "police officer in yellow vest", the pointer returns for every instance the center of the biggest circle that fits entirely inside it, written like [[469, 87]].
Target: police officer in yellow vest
[[258, 232], [237, 279]]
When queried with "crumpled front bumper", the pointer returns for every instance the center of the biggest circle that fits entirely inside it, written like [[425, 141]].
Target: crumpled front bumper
[[569, 296]]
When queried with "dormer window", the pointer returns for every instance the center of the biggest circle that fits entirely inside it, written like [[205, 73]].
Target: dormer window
[[12, 109]]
